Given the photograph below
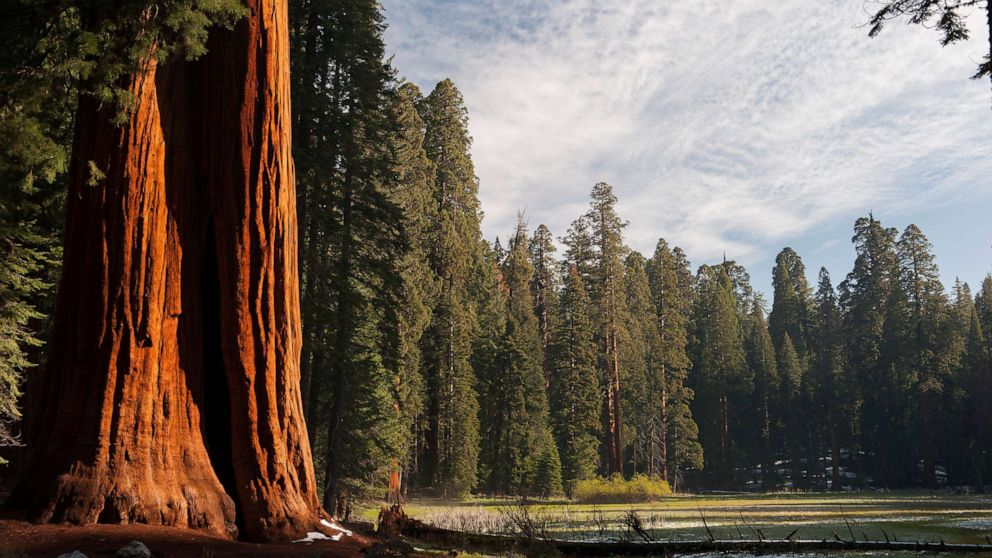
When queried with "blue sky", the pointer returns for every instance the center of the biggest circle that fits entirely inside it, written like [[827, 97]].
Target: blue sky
[[730, 126]]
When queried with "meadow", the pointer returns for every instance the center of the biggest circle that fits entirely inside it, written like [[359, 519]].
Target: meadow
[[900, 515]]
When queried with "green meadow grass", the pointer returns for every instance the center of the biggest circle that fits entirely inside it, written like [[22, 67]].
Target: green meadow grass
[[902, 515]]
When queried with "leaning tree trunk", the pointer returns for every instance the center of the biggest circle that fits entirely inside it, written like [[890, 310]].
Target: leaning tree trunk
[[172, 392]]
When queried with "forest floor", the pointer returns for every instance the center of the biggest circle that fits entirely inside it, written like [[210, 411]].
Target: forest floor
[[898, 515], [19, 539]]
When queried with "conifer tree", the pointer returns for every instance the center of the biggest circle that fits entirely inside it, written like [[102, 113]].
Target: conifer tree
[[670, 281], [548, 473], [864, 301], [412, 193], [37, 99], [179, 276], [924, 333], [608, 251], [575, 399], [791, 403], [762, 363], [643, 375], [354, 238], [516, 400], [720, 373], [983, 307], [791, 303], [454, 248], [836, 393], [490, 362], [579, 251], [544, 288]]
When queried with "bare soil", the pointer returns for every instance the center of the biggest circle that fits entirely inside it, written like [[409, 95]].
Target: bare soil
[[20, 539]]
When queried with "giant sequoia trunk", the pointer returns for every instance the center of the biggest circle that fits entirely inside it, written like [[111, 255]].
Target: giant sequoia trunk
[[172, 391]]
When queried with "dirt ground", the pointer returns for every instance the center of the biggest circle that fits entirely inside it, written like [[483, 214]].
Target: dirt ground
[[19, 539]]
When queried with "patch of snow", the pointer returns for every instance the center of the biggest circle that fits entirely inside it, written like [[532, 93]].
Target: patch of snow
[[335, 526], [317, 536], [74, 554]]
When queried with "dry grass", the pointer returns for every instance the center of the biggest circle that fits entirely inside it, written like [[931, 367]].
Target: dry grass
[[902, 515]]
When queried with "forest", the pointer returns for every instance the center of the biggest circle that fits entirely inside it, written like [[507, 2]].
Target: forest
[[396, 338]]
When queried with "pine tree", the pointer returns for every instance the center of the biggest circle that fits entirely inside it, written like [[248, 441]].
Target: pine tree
[[579, 251], [924, 335], [454, 248], [37, 99], [516, 402], [643, 375], [354, 239], [983, 307], [864, 302], [670, 281], [544, 288], [792, 302], [836, 394], [490, 362], [412, 193], [762, 363], [720, 373], [791, 403], [608, 250], [575, 399], [548, 474]]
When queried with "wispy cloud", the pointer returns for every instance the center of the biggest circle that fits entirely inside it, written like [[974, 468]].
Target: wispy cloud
[[725, 126]]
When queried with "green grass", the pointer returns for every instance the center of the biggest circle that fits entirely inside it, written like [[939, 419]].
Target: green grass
[[904, 515]]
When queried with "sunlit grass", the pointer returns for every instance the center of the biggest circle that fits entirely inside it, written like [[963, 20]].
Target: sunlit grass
[[906, 516]]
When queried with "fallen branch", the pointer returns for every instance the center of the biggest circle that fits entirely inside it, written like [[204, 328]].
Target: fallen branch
[[504, 543]]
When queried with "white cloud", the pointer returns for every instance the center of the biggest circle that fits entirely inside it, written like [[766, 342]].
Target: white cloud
[[725, 126]]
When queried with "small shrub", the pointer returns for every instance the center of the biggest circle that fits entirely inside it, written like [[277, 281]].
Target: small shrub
[[617, 490]]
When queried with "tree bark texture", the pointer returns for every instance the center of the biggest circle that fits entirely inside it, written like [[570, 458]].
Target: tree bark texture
[[172, 394]]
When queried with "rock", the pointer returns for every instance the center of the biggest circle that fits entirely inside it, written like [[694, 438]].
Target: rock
[[73, 554], [134, 549]]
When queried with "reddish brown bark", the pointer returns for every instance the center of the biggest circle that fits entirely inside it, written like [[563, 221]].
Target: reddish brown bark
[[172, 392], [663, 439], [614, 447]]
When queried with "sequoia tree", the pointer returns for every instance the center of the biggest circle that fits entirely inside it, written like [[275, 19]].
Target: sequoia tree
[[171, 394], [608, 251]]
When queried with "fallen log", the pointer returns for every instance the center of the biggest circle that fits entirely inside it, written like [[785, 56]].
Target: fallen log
[[530, 546]]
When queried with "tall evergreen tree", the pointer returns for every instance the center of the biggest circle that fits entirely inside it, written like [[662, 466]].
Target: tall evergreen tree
[[516, 401], [983, 307], [608, 251], [544, 288], [354, 237], [864, 301], [791, 403], [836, 394], [923, 336], [37, 100], [454, 248], [792, 301], [670, 281], [181, 174], [762, 363], [720, 373], [643, 375], [412, 193], [575, 399]]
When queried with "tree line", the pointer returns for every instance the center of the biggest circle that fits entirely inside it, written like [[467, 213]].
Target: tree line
[[508, 369], [505, 369]]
